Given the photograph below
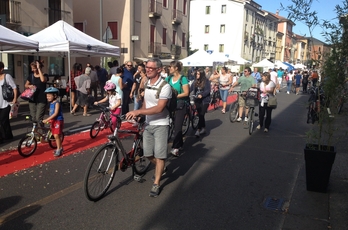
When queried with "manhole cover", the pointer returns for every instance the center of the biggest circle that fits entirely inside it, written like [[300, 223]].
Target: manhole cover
[[274, 204]]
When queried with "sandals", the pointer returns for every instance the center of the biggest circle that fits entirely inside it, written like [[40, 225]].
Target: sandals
[[86, 114], [223, 111], [72, 112]]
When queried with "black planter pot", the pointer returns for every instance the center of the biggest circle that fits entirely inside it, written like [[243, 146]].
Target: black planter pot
[[318, 166]]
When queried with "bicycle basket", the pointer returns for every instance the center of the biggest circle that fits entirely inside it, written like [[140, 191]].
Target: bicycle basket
[[252, 97]]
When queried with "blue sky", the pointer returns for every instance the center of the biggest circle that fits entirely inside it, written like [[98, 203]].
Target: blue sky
[[325, 9]]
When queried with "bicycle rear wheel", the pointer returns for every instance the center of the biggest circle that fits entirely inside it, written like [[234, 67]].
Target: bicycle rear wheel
[[27, 146], [233, 111], [52, 141], [141, 163], [186, 124], [194, 120], [251, 120], [95, 129], [100, 172]]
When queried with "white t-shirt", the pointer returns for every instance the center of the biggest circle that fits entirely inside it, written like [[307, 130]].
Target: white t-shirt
[[263, 87], [113, 99], [274, 76], [151, 101]]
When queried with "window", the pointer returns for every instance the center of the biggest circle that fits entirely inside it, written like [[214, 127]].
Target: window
[[247, 15], [221, 48], [79, 26], [184, 7], [174, 36], [165, 3], [222, 29], [183, 39], [56, 66], [207, 10], [206, 29], [164, 36], [55, 12], [114, 29], [223, 9], [206, 47]]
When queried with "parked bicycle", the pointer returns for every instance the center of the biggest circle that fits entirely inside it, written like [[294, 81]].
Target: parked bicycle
[[215, 97], [315, 100], [341, 99], [111, 157], [39, 133], [103, 122], [191, 116]]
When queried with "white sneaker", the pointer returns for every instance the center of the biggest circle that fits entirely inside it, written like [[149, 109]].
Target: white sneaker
[[202, 131], [245, 119], [288, 92], [258, 127], [239, 119], [175, 152], [266, 130], [197, 133]]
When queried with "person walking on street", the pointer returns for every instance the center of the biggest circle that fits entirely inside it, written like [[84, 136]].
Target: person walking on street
[[128, 84], [117, 80], [245, 82], [181, 85], [5, 107], [94, 82], [305, 78], [200, 88], [83, 83], [157, 121], [298, 80], [37, 80], [55, 118], [267, 88], [225, 81], [102, 78], [289, 79], [76, 71]]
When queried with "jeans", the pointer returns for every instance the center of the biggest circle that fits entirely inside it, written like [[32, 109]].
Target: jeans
[[289, 84], [137, 102], [5, 127], [223, 95]]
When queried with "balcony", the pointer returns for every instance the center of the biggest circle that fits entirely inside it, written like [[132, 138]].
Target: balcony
[[155, 9], [11, 10], [176, 17], [154, 49]]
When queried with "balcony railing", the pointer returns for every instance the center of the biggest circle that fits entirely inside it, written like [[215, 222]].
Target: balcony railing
[[155, 9], [176, 17], [12, 11], [154, 49], [175, 50]]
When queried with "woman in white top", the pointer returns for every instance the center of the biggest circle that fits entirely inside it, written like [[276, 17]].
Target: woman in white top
[[289, 78], [267, 88], [225, 82]]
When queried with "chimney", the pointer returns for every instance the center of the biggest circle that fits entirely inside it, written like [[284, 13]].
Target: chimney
[[277, 12]]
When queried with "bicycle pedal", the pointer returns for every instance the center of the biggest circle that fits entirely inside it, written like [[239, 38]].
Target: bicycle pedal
[[138, 178]]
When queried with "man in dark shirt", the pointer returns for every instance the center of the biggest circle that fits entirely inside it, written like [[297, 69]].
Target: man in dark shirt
[[127, 81], [102, 78]]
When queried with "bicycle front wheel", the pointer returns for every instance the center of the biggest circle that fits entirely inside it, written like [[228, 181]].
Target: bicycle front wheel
[[141, 163], [52, 141], [233, 111], [217, 100], [27, 146], [95, 129], [195, 120], [186, 124], [100, 172], [251, 121]]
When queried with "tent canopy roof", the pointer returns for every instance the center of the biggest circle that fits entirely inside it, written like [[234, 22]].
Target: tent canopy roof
[[11, 40], [264, 63]]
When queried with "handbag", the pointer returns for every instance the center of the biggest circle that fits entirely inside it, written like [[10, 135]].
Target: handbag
[[7, 91], [28, 94], [272, 102]]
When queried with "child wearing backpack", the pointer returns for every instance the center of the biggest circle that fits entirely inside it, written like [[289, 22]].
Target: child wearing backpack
[[181, 85]]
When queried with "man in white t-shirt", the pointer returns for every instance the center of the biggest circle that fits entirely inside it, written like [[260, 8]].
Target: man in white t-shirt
[[273, 73], [157, 118], [113, 69]]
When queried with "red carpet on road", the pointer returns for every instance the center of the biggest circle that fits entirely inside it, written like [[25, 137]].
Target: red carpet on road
[[11, 161]]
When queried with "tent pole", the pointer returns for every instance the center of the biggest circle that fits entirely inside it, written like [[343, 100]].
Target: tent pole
[[69, 70]]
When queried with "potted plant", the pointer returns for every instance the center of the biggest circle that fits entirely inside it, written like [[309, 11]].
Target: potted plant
[[319, 151]]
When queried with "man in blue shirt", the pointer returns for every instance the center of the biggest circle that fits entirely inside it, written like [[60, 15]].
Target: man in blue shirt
[[256, 75]]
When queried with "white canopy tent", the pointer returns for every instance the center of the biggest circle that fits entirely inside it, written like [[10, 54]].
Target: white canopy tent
[[300, 66], [264, 63], [199, 58], [279, 64], [62, 39], [11, 40], [238, 59]]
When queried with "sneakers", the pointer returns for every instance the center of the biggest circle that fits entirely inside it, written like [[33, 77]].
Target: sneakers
[[245, 119], [202, 131], [258, 127], [239, 119], [58, 152], [175, 152], [266, 130], [197, 133], [163, 174], [155, 190], [288, 92]]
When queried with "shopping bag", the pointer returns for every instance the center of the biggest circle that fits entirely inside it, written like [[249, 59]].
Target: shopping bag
[[14, 110]]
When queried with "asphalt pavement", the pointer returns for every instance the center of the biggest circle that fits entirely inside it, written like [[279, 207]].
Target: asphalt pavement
[[223, 180]]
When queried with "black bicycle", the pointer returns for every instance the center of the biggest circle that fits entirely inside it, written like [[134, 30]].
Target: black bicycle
[[215, 96], [191, 117]]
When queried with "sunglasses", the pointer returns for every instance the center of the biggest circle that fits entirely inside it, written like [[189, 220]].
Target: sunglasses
[[129, 65]]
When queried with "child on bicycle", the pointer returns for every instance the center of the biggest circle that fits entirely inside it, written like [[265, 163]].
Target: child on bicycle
[[114, 98], [55, 118]]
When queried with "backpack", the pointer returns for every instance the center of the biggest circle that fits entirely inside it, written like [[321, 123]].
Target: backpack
[[171, 106]]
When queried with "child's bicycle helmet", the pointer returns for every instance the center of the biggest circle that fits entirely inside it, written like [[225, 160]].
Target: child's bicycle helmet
[[52, 90], [109, 86]]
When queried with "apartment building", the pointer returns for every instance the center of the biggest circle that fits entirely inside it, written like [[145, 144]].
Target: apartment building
[[29, 17], [142, 29], [317, 52]]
